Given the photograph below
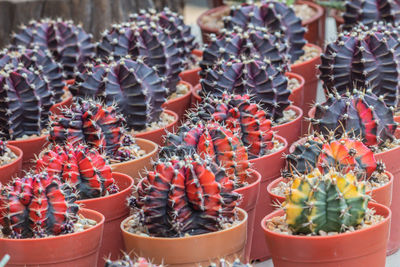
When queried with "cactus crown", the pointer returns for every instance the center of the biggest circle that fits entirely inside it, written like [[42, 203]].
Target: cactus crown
[[277, 17], [364, 58], [36, 206], [69, 43], [331, 202]]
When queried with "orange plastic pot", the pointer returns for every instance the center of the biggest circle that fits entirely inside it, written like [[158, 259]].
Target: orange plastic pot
[[135, 168], [197, 250], [192, 76], [269, 167], [316, 25], [30, 147], [11, 169], [157, 135], [250, 195], [297, 95], [114, 208], [78, 249], [180, 104], [291, 130], [365, 247]]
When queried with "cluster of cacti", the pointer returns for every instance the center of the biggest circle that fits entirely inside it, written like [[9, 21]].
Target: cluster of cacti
[[276, 16], [185, 195], [267, 84], [84, 169], [331, 202], [37, 206], [134, 87], [36, 59], [127, 262], [243, 117], [69, 44], [93, 123], [359, 114], [364, 58], [224, 263]]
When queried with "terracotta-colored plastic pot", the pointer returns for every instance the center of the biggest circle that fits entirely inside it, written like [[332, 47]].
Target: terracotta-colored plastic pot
[[381, 195], [297, 95], [13, 168], [157, 135], [192, 250], [180, 104], [291, 130], [316, 25], [365, 247], [78, 249], [135, 168], [114, 208], [196, 98], [207, 30], [269, 167], [30, 147], [56, 108], [250, 195], [192, 76]]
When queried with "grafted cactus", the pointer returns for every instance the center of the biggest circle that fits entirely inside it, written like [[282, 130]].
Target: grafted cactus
[[127, 262]]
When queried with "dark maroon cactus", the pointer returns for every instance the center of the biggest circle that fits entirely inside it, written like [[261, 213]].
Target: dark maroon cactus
[[134, 87], [358, 114], [69, 43], [276, 16], [267, 84], [40, 60], [364, 58]]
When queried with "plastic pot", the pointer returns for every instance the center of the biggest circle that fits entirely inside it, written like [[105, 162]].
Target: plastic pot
[[78, 249], [180, 104], [191, 250], [114, 208], [316, 25], [250, 195], [13, 168], [157, 135], [136, 167], [291, 130], [365, 247], [56, 108], [297, 95], [207, 30], [269, 167], [192, 76], [30, 147]]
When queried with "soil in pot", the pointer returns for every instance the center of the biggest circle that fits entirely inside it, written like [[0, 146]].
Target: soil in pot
[[179, 102], [289, 126], [10, 163]]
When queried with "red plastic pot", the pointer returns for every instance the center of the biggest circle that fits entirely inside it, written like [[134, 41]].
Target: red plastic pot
[[269, 167], [180, 104], [11, 169], [250, 195], [291, 130], [365, 247], [297, 95], [316, 25], [30, 147], [192, 76], [115, 209], [78, 249], [157, 135]]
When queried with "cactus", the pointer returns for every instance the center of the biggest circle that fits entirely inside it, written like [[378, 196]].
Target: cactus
[[136, 89], [184, 196], [267, 84], [24, 110], [99, 126], [277, 17], [37, 206], [360, 114], [127, 262], [224, 263], [331, 202], [83, 168], [211, 140], [69, 43], [364, 58]]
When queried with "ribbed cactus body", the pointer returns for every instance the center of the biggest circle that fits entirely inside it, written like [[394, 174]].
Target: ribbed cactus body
[[305, 156]]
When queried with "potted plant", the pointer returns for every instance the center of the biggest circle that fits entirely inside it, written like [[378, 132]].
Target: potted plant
[[172, 215], [10, 161], [39, 216], [328, 218]]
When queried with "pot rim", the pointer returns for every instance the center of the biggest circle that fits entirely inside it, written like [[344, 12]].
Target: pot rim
[[177, 99], [299, 113], [319, 12], [175, 121], [297, 77], [17, 152], [199, 20], [242, 213], [254, 183], [301, 64], [29, 139], [281, 139]]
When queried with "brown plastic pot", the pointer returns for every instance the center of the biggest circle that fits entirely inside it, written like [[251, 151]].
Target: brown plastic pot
[[365, 247], [135, 168], [291, 130], [157, 135], [297, 95], [180, 104], [250, 194], [13, 168], [114, 208], [78, 249], [30, 147], [316, 25], [269, 167], [191, 250], [192, 76]]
